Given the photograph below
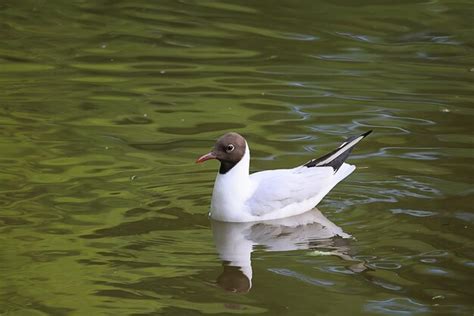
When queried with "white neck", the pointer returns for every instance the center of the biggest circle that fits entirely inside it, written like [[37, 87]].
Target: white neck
[[231, 190]]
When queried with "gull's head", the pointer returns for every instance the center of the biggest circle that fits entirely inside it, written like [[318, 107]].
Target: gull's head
[[229, 150]]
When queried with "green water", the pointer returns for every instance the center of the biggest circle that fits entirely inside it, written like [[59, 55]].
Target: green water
[[105, 105]]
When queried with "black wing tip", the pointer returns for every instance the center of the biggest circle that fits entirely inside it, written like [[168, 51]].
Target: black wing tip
[[338, 161]]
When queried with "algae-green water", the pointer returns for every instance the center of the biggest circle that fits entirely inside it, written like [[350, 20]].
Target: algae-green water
[[105, 105]]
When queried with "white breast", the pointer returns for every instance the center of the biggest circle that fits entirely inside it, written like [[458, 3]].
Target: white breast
[[231, 191]]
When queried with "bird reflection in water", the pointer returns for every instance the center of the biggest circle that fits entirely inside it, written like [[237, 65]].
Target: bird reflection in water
[[311, 230]]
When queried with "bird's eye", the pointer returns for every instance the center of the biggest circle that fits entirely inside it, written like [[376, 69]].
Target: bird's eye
[[229, 148]]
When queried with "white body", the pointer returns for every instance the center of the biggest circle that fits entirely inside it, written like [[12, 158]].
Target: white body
[[241, 197]]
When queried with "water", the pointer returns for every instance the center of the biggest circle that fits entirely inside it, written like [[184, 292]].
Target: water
[[106, 105]]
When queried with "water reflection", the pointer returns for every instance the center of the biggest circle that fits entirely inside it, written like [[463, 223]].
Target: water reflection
[[235, 243]]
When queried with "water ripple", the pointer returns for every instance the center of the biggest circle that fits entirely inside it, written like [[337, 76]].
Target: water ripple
[[106, 105]]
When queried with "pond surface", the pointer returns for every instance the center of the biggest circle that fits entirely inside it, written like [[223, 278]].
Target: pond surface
[[105, 105]]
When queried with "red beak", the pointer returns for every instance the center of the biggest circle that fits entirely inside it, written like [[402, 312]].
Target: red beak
[[205, 157]]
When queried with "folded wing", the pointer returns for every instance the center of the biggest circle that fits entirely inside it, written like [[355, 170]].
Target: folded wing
[[279, 188], [276, 189]]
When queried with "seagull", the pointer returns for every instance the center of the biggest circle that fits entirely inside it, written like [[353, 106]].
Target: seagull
[[272, 194]]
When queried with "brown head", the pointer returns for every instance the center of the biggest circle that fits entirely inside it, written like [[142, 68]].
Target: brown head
[[229, 150]]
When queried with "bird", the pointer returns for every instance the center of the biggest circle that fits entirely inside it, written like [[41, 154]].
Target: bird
[[239, 196]]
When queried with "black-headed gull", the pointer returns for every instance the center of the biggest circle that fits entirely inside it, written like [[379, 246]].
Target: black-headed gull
[[242, 197]]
